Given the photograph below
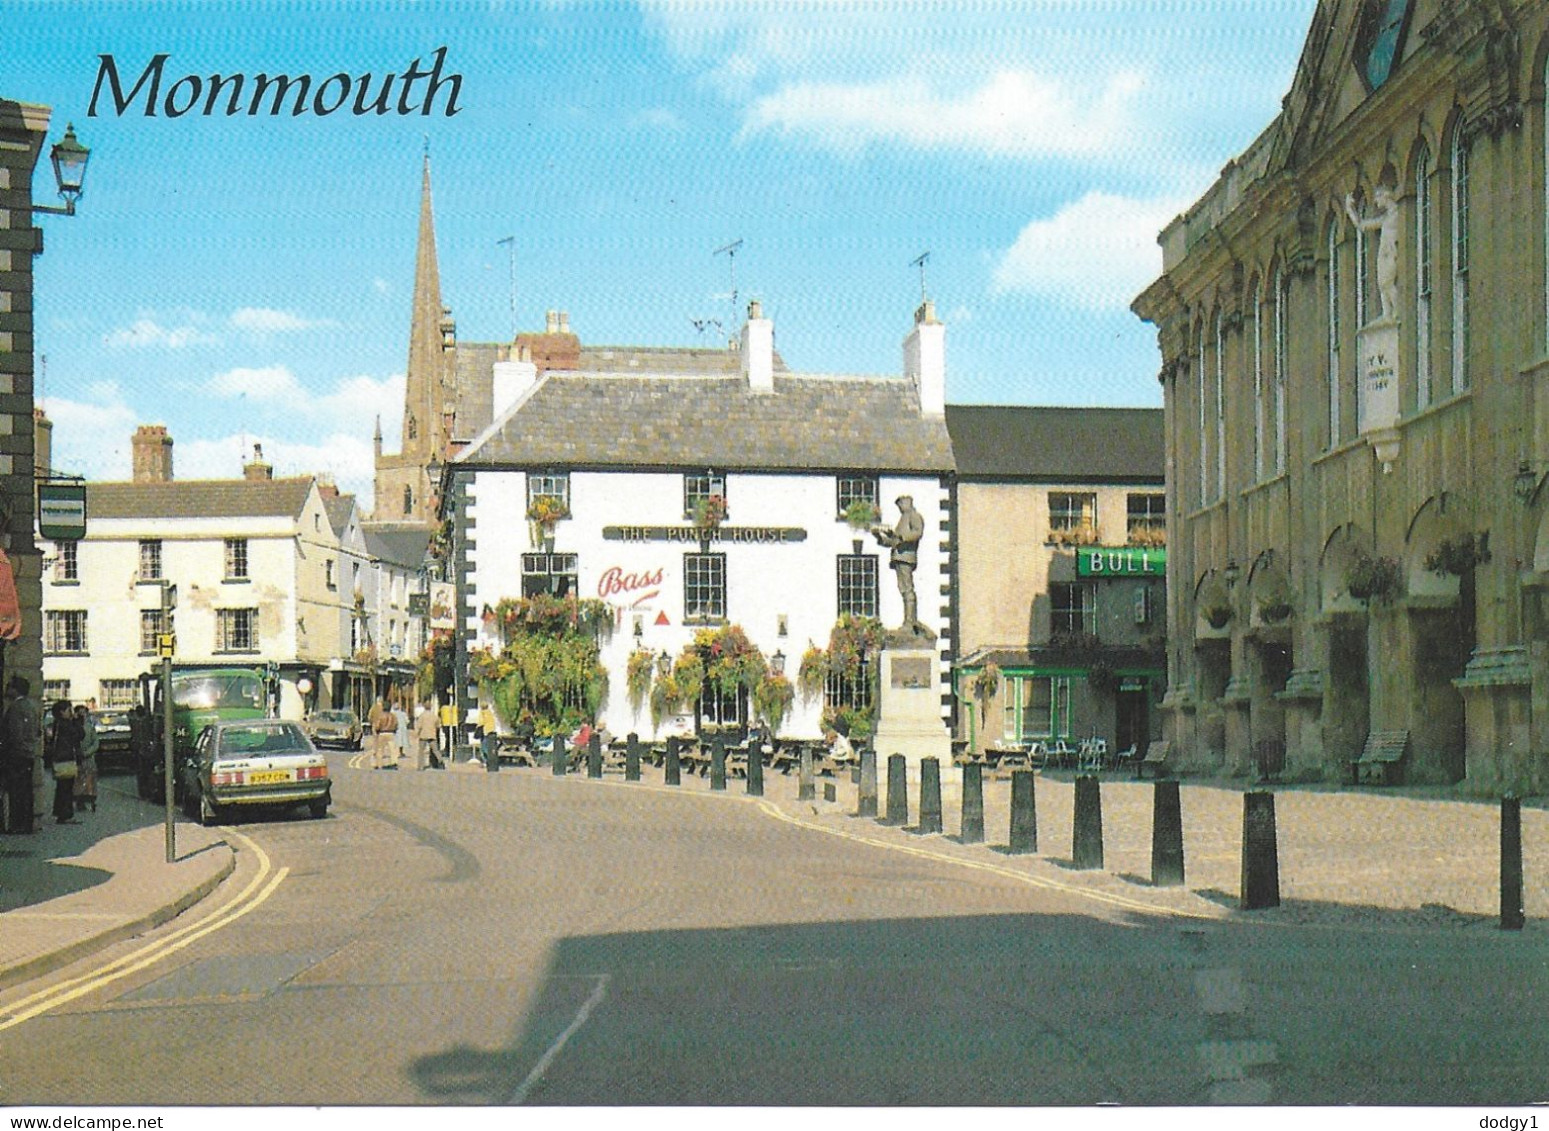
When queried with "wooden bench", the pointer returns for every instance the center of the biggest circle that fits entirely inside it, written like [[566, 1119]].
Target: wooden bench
[[1382, 757], [1156, 757]]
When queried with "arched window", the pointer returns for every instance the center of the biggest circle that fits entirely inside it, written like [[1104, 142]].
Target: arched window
[[1258, 380], [1460, 222], [1220, 407], [1281, 284], [1335, 373], [1204, 448], [408, 500], [1423, 277]]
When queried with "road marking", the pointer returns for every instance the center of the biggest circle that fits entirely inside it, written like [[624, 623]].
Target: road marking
[[1226, 1063], [254, 894], [1220, 991], [598, 993]]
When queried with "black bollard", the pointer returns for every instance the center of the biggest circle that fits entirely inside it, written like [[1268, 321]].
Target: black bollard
[[1087, 838], [1166, 835], [1512, 918], [632, 757], [717, 763], [897, 792], [806, 789], [830, 791], [673, 767], [973, 804], [558, 761], [866, 792], [1024, 812], [930, 795], [1260, 858], [755, 768], [594, 756]]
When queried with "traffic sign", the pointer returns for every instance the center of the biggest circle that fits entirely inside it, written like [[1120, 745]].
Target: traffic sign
[[165, 643]]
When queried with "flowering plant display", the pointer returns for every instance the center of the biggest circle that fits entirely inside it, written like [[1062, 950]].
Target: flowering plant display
[[546, 510], [709, 512]]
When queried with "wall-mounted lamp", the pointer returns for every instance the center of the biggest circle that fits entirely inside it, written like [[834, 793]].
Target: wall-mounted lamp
[[777, 662], [69, 157], [1525, 483], [1232, 572]]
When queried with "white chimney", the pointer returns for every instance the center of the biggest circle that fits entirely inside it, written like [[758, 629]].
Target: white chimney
[[757, 350], [551, 322], [512, 381], [925, 360]]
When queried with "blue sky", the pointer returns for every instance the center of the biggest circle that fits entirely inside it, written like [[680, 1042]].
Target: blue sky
[[247, 279]]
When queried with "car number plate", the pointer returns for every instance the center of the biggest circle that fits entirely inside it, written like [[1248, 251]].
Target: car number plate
[[268, 777]]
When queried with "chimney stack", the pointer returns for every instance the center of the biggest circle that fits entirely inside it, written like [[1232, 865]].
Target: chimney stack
[[757, 350], [42, 443], [258, 469], [564, 321], [151, 450], [925, 360], [551, 322]]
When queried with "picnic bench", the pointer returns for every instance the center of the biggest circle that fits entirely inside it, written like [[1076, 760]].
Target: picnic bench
[[1156, 757], [1382, 757]]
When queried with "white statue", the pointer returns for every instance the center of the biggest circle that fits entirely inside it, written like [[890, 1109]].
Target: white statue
[[1384, 221]]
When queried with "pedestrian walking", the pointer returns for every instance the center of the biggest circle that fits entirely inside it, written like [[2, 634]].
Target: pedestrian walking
[[401, 735], [19, 756], [86, 773], [62, 749], [427, 729], [384, 737]]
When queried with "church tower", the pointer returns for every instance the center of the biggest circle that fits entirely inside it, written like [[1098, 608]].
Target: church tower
[[404, 491]]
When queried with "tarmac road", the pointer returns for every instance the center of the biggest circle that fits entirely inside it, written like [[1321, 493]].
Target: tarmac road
[[464, 938]]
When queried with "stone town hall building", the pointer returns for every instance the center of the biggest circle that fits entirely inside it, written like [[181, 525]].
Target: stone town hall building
[[1354, 325]]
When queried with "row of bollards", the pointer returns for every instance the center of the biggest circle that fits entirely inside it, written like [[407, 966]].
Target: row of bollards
[[1260, 877]]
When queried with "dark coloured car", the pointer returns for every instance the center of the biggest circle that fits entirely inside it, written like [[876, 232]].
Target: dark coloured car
[[255, 762], [335, 727]]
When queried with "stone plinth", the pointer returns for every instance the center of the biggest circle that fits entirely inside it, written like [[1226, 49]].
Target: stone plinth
[[909, 706]]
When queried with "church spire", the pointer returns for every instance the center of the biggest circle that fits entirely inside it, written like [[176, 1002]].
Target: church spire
[[424, 393]]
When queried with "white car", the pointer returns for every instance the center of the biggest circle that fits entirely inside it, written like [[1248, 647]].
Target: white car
[[257, 762]]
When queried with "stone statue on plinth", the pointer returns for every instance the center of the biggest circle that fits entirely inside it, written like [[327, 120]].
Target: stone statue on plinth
[[904, 541], [1384, 221]]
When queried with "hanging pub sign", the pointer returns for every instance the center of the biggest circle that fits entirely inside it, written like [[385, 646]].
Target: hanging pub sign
[[1121, 561], [62, 511]]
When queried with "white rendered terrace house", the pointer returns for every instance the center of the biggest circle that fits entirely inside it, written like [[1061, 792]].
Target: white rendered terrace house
[[632, 438]]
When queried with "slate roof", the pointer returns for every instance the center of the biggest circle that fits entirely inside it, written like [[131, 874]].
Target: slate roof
[[198, 498], [584, 419], [339, 508], [400, 543], [1057, 445]]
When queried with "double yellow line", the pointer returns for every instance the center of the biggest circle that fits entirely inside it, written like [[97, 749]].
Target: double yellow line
[[258, 889]]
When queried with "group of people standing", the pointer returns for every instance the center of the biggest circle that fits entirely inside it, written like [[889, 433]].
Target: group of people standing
[[392, 734], [68, 745]]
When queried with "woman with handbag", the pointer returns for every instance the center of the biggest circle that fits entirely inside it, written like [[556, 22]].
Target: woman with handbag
[[62, 750], [86, 770]]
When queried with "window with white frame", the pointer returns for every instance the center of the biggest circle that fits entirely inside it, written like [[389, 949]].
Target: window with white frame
[[1037, 708], [857, 580], [1423, 278], [704, 588], [117, 694], [1146, 519], [236, 559], [548, 575], [236, 630], [67, 565], [55, 690], [719, 707], [151, 626], [1335, 374], [697, 488], [150, 559], [1073, 512], [1460, 231], [853, 489], [549, 485], [1072, 608], [64, 632]]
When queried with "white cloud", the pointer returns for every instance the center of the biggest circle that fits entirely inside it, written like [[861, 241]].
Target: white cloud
[[275, 388], [264, 320], [274, 384], [1015, 113], [347, 458], [147, 331], [91, 436], [1097, 253]]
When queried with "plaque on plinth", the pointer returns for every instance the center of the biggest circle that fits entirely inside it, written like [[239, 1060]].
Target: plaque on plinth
[[909, 702], [1377, 349]]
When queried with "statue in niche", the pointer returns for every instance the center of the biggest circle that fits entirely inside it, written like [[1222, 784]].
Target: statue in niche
[[1384, 221]]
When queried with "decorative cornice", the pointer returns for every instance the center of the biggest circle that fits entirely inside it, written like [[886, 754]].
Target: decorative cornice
[[1486, 42]]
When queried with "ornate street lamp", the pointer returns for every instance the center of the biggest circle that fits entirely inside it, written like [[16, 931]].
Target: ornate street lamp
[[69, 157]]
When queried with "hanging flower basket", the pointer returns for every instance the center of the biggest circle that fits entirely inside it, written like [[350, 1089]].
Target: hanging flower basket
[[1456, 556], [1370, 578], [709, 512], [1273, 612], [546, 510], [1217, 616], [862, 514]]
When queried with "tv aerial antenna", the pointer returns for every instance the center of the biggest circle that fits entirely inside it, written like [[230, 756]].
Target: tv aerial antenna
[[510, 241], [730, 251], [920, 261]]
